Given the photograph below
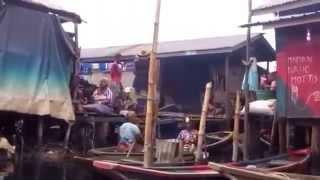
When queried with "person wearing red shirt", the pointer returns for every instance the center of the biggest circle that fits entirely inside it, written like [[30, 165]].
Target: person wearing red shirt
[[116, 70]]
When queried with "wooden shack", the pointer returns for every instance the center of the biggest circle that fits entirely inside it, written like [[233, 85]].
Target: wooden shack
[[38, 59], [297, 30], [186, 66]]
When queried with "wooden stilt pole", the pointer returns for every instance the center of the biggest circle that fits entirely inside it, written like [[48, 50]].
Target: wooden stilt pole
[[148, 151], [67, 137], [288, 134], [282, 136], [236, 129], [246, 115], [315, 149], [274, 135], [228, 105], [203, 119], [40, 132]]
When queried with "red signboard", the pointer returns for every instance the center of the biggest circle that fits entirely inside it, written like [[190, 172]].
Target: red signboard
[[299, 69]]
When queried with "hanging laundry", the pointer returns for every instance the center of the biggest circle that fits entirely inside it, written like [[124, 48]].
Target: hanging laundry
[[253, 79]]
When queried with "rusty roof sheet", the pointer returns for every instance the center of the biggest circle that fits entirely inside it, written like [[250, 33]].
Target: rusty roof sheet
[[213, 45]]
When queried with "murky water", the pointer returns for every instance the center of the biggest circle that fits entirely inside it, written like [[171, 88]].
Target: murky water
[[37, 170]]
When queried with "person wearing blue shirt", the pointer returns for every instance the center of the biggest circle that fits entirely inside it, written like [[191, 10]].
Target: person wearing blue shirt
[[129, 135]]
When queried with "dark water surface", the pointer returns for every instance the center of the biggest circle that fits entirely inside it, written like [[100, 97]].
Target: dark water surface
[[37, 170]]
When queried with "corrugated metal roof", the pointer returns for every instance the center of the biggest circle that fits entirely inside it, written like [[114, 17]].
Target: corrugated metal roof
[[273, 6], [286, 21], [272, 3], [102, 52], [222, 44]]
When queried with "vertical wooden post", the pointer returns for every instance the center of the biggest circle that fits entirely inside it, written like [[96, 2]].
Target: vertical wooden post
[[282, 136], [40, 131], [67, 137], [148, 151], [236, 129], [156, 103], [76, 63], [203, 119], [274, 135], [227, 91], [76, 40], [315, 149], [288, 133], [246, 115]]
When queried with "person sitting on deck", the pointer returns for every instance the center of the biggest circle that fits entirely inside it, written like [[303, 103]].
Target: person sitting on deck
[[129, 135], [188, 136], [102, 99], [129, 101], [272, 80], [268, 82]]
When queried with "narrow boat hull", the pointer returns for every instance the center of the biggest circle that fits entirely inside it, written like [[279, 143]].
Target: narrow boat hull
[[163, 172], [292, 162]]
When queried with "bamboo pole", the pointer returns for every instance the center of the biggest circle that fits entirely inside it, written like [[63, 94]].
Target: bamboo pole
[[202, 126], [235, 149], [148, 151], [246, 115]]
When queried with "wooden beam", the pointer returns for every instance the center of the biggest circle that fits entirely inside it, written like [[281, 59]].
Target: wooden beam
[[148, 150]]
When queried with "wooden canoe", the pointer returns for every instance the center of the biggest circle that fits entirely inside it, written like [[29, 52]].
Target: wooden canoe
[[246, 174], [214, 140], [123, 171], [294, 161]]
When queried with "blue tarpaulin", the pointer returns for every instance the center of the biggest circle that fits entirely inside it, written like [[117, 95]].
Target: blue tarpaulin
[[36, 63]]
